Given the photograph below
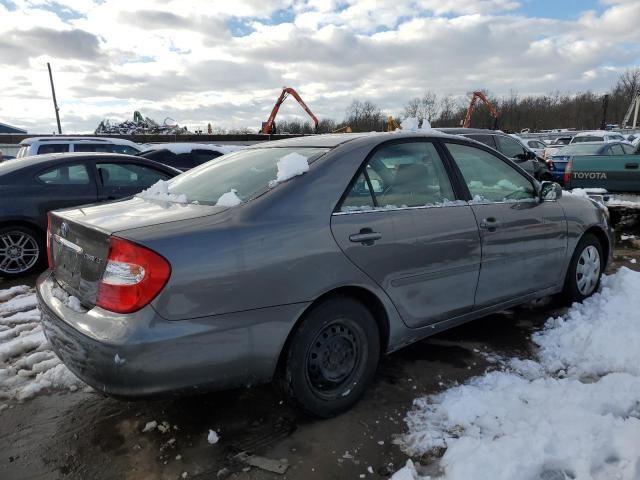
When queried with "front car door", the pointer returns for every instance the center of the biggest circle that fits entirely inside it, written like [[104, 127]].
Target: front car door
[[118, 179], [400, 224], [524, 240]]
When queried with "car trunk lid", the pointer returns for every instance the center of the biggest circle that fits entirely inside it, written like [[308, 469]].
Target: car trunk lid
[[80, 238]]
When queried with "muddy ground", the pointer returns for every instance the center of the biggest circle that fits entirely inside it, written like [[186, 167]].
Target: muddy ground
[[86, 436]]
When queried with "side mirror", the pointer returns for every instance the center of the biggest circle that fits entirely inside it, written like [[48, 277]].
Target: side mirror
[[550, 191]]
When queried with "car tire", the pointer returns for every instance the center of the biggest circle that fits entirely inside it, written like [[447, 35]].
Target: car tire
[[332, 357], [22, 251], [585, 270]]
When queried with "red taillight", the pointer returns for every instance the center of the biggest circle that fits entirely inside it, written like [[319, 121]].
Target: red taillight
[[49, 254], [567, 173], [134, 275]]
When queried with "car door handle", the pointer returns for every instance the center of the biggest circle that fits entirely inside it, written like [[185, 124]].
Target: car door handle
[[631, 166], [366, 237], [490, 224]]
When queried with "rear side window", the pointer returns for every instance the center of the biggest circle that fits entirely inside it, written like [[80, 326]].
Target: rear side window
[[488, 178], [65, 175], [617, 150], [202, 156], [486, 139], [53, 148], [587, 139], [509, 146], [93, 147], [128, 175], [400, 176]]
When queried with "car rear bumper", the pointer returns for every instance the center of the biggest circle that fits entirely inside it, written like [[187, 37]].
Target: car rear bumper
[[142, 354]]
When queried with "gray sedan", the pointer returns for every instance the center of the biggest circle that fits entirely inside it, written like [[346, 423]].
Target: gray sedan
[[305, 260]]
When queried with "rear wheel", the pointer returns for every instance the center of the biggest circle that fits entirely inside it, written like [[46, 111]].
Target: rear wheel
[[22, 251], [585, 270], [332, 358]]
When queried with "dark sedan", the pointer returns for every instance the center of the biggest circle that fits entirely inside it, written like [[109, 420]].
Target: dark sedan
[[31, 186], [305, 260]]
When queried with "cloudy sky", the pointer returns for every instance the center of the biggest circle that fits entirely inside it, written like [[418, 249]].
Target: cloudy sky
[[225, 61]]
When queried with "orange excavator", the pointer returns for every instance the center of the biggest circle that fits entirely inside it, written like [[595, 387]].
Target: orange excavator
[[269, 127], [472, 106]]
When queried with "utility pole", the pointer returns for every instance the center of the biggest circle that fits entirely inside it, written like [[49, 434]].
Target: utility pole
[[605, 105], [55, 102]]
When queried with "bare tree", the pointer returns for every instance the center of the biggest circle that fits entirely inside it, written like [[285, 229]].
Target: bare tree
[[364, 116], [425, 107]]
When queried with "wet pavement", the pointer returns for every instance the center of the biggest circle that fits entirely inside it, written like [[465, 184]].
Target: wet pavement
[[85, 435]]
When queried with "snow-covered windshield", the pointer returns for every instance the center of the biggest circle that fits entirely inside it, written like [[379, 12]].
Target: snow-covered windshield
[[243, 174], [579, 149]]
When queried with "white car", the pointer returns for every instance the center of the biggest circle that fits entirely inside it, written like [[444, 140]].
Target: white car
[[537, 146], [598, 136], [63, 144]]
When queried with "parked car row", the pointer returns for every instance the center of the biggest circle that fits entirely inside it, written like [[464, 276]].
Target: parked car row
[[305, 260]]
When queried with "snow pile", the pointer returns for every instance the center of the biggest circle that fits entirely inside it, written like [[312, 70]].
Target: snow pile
[[160, 191], [575, 413], [412, 124], [229, 199], [290, 166], [28, 366]]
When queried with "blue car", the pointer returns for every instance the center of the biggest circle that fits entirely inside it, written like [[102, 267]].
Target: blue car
[[560, 158]]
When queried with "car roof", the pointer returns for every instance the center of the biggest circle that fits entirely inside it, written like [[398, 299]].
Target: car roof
[[331, 140], [52, 158], [67, 139], [463, 131]]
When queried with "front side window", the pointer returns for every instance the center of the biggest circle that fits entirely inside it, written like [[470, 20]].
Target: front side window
[[65, 175], [616, 150], [488, 178], [400, 176], [628, 149], [124, 149], [509, 146], [486, 139], [53, 148], [93, 147], [128, 175]]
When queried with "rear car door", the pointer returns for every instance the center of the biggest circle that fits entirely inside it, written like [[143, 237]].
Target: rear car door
[[122, 179], [399, 223], [524, 240]]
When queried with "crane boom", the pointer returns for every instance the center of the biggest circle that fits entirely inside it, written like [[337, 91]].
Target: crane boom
[[268, 127], [472, 105], [633, 106]]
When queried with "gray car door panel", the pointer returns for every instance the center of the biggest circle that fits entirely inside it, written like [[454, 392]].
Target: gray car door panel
[[523, 239], [422, 256], [522, 250]]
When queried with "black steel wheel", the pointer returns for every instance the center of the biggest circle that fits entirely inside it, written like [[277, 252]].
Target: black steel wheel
[[332, 357]]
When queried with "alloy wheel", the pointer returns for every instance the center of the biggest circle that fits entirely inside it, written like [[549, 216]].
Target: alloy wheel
[[19, 252]]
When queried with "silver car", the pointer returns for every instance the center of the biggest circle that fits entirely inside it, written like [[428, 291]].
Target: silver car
[[305, 260]]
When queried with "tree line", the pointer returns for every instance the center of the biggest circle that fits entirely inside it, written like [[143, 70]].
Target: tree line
[[583, 111]]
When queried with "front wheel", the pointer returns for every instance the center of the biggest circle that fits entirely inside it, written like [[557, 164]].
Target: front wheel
[[22, 251], [585, 270], [332, 358]]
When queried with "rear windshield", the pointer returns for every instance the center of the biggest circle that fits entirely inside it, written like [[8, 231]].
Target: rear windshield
[[248, 172], [581, 149], [587, 139]]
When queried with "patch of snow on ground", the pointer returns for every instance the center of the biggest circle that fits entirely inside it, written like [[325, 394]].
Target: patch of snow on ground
[[290, 166], [160, 191], [28, 366], [573, 413], [229, 199]]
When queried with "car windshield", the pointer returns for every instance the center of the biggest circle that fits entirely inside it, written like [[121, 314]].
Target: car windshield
[[247, 172], [581, 149], [587, 139]]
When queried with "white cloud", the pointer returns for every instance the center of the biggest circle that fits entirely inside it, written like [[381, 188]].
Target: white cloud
[[180, 59]]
